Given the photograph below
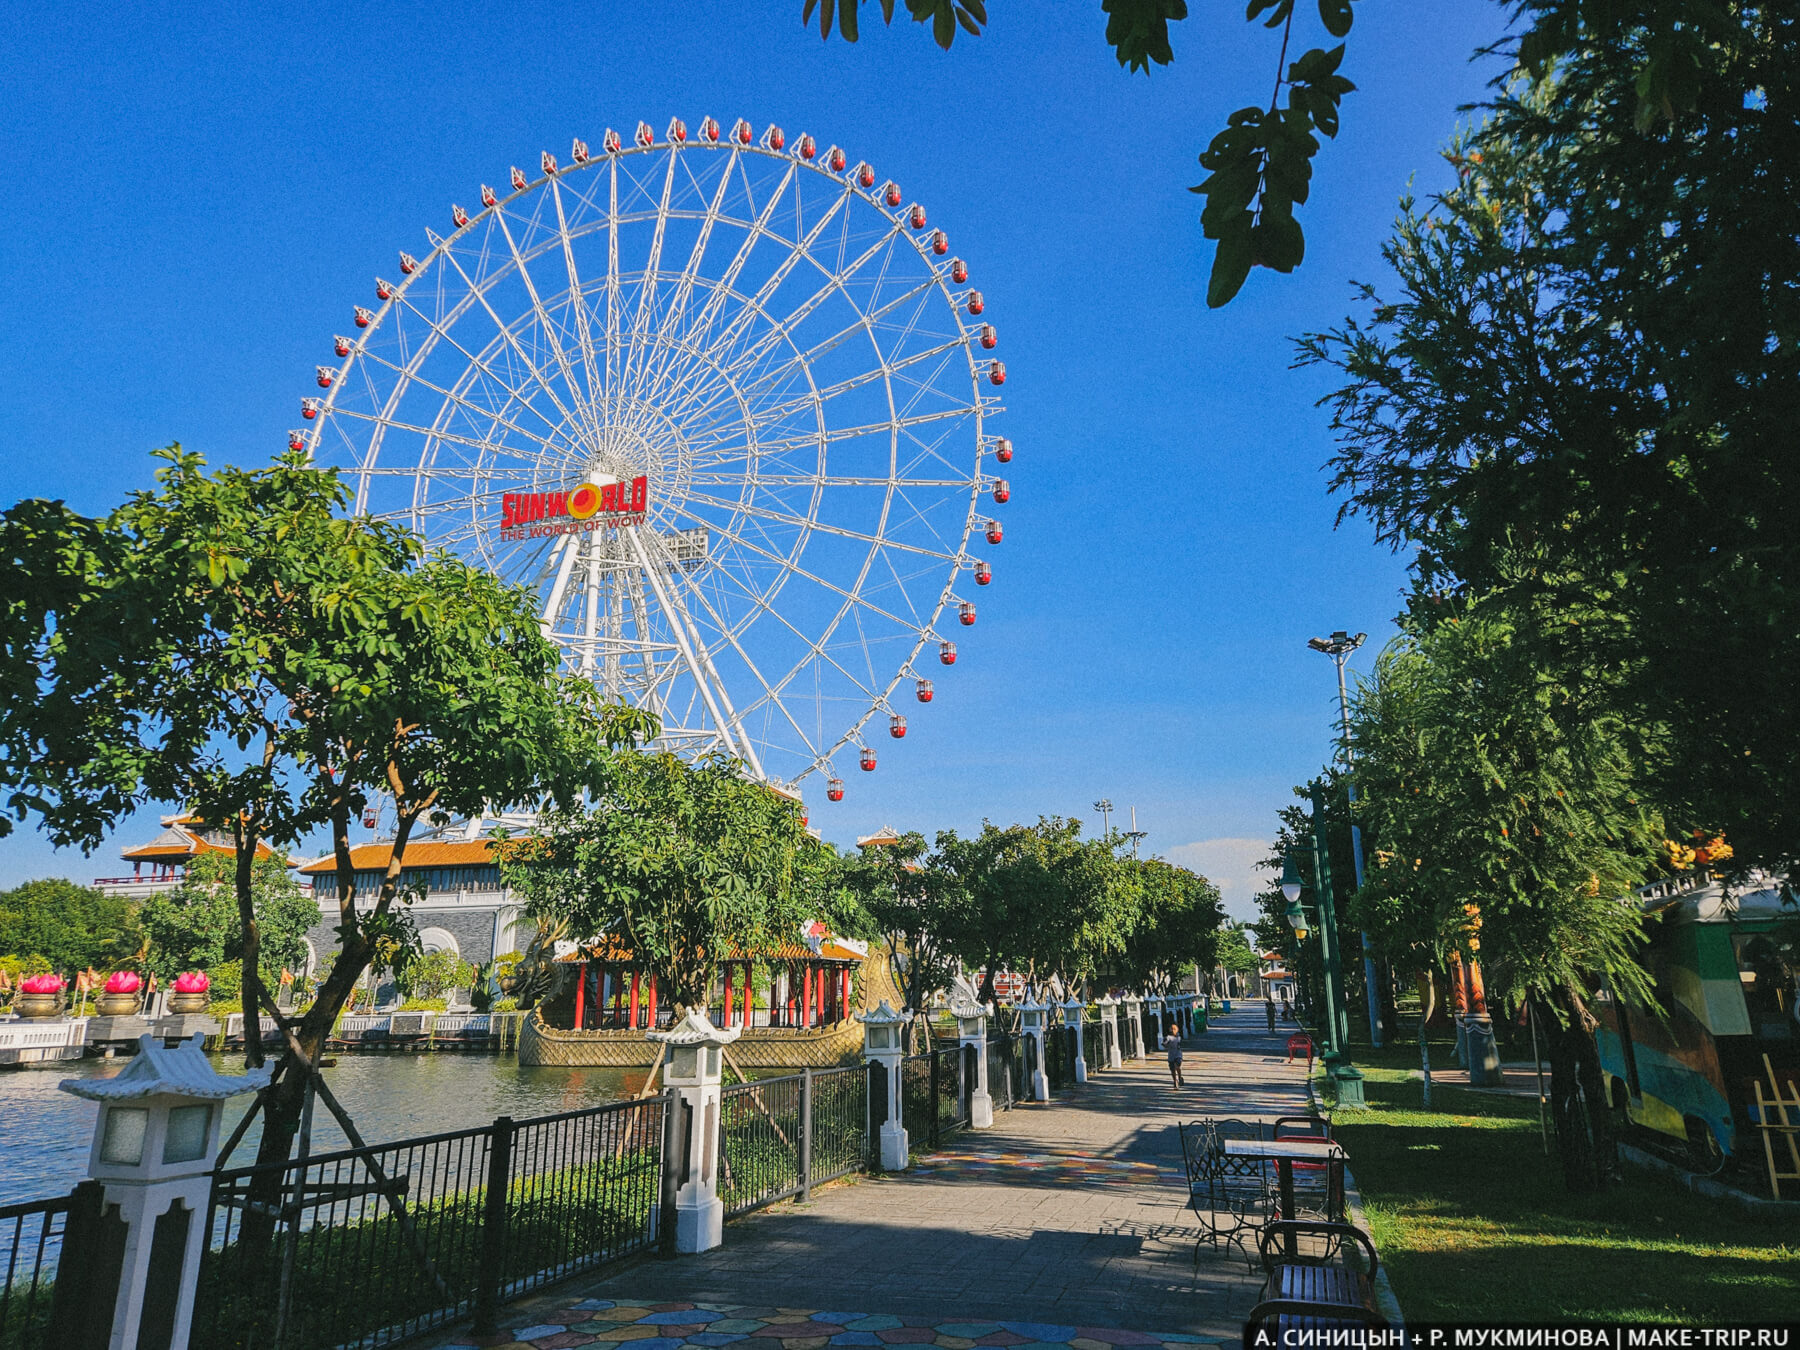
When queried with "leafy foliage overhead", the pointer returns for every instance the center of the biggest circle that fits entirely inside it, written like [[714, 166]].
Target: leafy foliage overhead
[[1259, 165]]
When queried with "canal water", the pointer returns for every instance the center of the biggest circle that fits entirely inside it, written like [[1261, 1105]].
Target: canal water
[[45, 1133]]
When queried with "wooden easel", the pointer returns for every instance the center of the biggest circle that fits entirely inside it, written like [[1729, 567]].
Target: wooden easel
[[1772, 1120]]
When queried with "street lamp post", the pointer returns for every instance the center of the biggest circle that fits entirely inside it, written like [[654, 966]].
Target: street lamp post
[[1104, 806], [1338, 647], [1343, 1074], [1134, 834]]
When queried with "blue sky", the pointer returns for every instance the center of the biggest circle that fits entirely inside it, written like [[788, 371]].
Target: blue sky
[[198, 193]]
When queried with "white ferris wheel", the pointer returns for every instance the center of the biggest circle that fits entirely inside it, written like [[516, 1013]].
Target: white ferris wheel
[[721, 402]]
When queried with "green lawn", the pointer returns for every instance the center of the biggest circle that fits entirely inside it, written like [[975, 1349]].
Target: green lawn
[[1473, 1223]]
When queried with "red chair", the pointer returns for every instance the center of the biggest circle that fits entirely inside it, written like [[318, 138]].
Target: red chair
[[1300, 1043]]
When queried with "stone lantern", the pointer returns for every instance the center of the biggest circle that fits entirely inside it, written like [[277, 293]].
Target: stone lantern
[[884, 1047], [1032, 1024], [1073, 1011], [695, 1070], [1109, 1030], [153, 1148], [971, 1031]]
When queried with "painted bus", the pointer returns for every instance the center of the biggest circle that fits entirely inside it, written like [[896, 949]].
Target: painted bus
[[1725, 962]]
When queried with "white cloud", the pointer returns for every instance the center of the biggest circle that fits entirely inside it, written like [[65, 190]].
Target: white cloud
[[1231, 865]]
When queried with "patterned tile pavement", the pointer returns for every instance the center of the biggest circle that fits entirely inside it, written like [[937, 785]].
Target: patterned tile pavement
[[1062, 1224], [644, 1325]]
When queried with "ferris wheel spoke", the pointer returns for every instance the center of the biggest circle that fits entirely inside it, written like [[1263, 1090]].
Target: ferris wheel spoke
[[613, 299], [698, 667], [406, 376], [759, 301], [815, 648], [489, 446], [684, 288], [807, 526], [577, 299], [770, 695], [866, 323], [704, 452], [836, 283], [480, 294], [854, 382], [647, 291], [547, 325], [831, 586], [649, 372], [754, 233]]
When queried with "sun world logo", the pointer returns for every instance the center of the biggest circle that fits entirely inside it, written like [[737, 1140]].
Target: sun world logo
[[592, 506]]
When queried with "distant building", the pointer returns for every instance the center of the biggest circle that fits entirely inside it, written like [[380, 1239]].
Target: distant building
[[464, 906], [1278, 980], [886, 837], [159, 865]]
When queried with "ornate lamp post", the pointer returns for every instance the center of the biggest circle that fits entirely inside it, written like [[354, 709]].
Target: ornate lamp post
[[1338, 1067], [1338, 647]]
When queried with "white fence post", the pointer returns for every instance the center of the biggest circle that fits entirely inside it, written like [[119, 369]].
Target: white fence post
[[1074, 1011], [696, 1070], [1109, 1030], [971, 1030], [884, 1044]]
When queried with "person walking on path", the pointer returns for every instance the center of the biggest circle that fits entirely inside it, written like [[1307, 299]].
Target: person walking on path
[[1172, 1042], [1269, 1008]]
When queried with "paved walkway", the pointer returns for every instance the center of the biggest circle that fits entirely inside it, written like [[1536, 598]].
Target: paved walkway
[[1064, 1225]]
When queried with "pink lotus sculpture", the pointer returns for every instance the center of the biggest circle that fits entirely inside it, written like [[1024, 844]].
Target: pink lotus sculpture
[[190, 992], [42, 984], [123, 982]]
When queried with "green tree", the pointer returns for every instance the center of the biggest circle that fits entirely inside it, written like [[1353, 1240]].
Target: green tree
[[434, 974], [912, 902], [684, 863], [1038, 898], [1236, 956], [1575, 397], [1506, 826], [196, 926], [328, 657], [1178, 926], [1662, 54], [72, 927]]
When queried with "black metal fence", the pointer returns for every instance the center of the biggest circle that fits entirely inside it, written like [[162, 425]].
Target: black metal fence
[[762, 1143], [839, 1117], [371, 1246], [1059, 1057], [934, 1094], [32, 1234]]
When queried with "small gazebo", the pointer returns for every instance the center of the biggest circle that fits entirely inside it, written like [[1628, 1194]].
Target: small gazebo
[[803, 986]]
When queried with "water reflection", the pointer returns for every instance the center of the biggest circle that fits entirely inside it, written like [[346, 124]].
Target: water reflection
[[45, 1133]]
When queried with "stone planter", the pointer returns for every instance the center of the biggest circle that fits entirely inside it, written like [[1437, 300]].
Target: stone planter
[[118, 1005], [37, 1007], [195, 1002]]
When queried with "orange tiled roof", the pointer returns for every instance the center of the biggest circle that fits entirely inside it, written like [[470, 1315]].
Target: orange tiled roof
[[609, 948], [179, 842], [425, 853]]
